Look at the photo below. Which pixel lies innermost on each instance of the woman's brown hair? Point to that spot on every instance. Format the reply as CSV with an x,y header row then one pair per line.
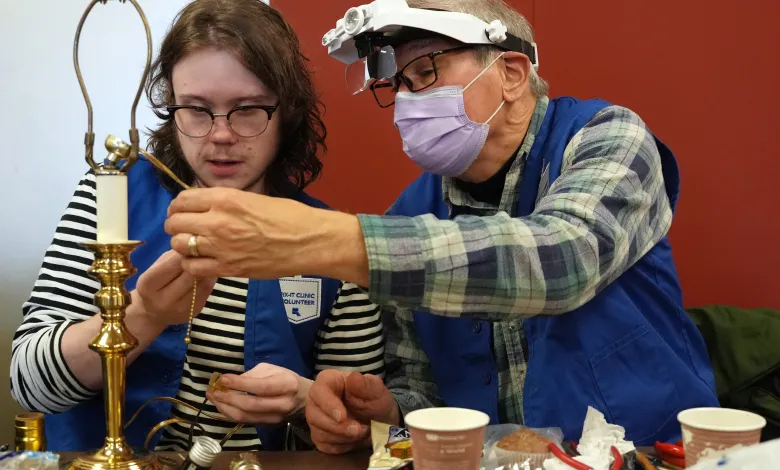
x,y
264,43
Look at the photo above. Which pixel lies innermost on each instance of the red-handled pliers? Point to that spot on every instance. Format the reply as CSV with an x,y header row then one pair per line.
x,y
565,458
673,454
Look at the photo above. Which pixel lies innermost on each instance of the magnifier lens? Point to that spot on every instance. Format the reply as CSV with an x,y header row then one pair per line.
x,y
384,61
379,65
357,77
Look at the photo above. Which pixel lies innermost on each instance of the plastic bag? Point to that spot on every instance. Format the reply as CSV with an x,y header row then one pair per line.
x,y
29,460
530,442
764,456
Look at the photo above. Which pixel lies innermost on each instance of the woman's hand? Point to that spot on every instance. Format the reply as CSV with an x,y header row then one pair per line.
x,y
163,293
267,394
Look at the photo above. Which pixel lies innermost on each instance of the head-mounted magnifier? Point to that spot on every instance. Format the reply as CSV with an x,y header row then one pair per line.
x,y
364,39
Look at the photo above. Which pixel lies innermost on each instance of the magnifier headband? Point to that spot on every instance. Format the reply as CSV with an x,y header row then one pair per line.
x,y
365,38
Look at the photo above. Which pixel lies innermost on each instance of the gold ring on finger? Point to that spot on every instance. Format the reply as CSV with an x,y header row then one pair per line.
x,y
193,246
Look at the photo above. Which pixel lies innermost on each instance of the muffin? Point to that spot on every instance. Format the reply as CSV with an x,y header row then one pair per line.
x,y
523,446
525,440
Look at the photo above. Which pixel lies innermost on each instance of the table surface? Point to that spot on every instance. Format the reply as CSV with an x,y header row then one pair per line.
x,y
303,460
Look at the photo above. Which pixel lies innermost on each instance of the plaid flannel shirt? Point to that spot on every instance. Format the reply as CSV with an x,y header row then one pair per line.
x,y
606,210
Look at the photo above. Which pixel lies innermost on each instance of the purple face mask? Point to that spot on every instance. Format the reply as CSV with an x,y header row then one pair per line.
x,y
436,132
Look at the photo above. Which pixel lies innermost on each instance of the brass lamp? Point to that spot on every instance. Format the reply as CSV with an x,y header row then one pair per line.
x,y
112,267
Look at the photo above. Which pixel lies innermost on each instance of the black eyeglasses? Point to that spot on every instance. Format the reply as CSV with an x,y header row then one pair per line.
x,y
419,74
245,121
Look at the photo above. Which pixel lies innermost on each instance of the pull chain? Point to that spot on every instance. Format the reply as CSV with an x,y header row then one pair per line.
x,y
161,166
192,311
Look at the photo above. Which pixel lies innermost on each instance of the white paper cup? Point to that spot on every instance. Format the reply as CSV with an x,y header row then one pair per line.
x,y
447,438
709,432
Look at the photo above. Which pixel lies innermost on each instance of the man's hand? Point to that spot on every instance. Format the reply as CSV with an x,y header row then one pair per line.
x,y
244,234
340,409
164,291
273,394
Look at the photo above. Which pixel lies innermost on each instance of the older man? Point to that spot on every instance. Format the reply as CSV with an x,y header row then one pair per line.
x,y
527,273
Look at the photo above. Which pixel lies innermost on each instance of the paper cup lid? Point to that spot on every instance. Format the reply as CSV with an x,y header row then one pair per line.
x,y
446,419
721,419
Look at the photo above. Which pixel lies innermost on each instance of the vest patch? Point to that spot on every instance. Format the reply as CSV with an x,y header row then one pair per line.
x,y
301,297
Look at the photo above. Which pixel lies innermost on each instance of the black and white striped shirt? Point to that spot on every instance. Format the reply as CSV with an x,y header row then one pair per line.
x,y
350,339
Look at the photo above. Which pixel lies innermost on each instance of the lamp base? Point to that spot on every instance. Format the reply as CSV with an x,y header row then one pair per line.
x,y
121,459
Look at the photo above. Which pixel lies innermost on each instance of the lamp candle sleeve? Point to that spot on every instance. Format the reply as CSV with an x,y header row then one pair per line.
x,y
111,207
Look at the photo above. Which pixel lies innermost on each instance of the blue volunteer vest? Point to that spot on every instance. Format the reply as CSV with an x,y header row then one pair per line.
x,y
631,352
269,336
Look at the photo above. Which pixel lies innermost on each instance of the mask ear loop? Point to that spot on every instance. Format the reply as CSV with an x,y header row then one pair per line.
x,y
483,71
496,112
479,75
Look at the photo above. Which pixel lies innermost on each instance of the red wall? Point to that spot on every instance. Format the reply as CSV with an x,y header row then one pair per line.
x,y
365,167
703,75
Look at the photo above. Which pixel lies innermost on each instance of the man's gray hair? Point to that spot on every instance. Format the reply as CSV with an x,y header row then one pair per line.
x,y
489,10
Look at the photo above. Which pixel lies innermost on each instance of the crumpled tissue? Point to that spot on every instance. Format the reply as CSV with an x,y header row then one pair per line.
x,y
595,445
